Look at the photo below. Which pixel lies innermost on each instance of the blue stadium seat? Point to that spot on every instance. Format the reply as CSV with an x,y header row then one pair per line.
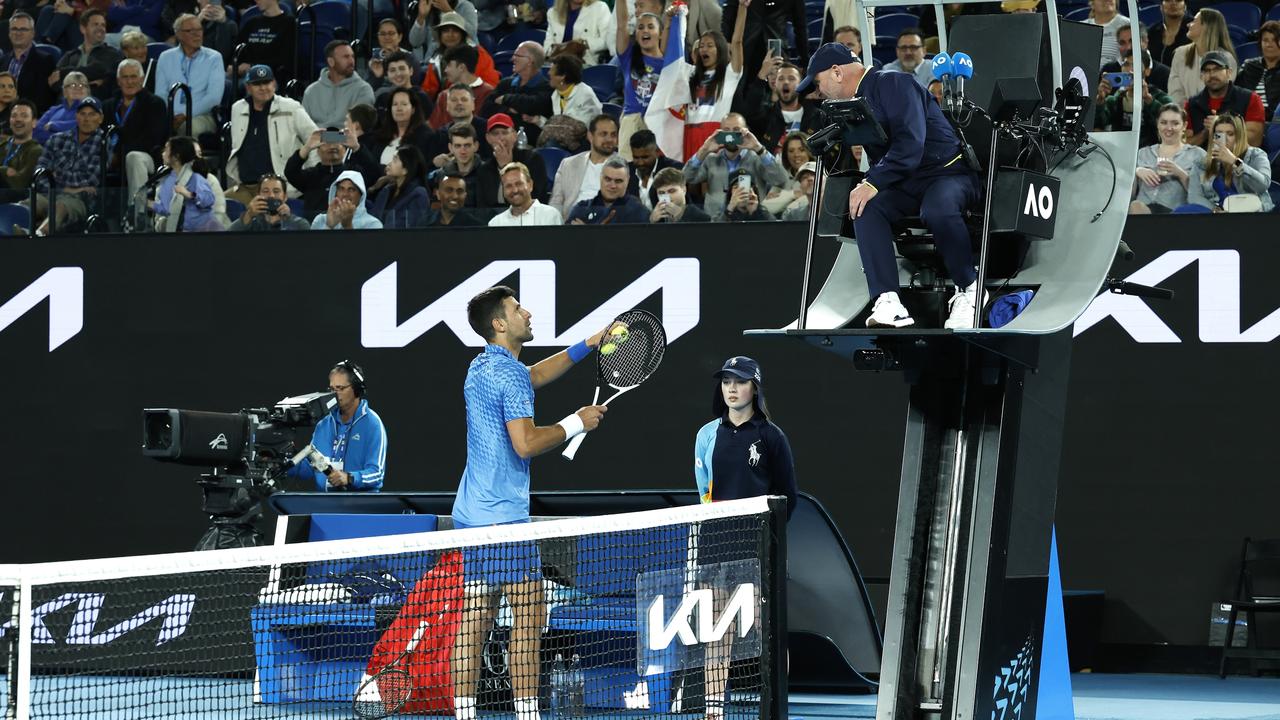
x,y
298,208
509,42
154,49
248,14
814,27
1150,15
1078,14
13,214
612,109
885,50
53,50
1241,34
1271,140
894,23
235,209
1242,14
1245,51
601,79
502,62
551,157
1274,13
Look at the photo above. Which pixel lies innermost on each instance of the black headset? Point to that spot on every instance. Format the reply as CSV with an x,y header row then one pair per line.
x,y
354,372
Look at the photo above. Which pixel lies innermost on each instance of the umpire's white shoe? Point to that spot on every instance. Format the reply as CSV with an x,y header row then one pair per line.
x,y
960,307
889,312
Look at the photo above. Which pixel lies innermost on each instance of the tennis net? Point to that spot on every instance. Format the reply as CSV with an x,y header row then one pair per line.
x,y
665,613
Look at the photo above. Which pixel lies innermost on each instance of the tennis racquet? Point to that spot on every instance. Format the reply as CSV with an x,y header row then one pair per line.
x,y
386,693
633,360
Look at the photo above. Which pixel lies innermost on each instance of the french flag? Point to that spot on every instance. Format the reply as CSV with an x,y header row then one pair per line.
x,y
665,116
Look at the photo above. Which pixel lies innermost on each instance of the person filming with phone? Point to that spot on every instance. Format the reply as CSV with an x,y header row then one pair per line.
x,y
269,211
741,202
1233,177
1117,113
732,148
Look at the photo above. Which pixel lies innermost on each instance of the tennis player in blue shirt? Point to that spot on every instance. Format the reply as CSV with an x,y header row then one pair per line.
x,y
501,439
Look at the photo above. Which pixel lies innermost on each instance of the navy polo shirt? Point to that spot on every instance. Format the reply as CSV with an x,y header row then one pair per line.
x,y
742,461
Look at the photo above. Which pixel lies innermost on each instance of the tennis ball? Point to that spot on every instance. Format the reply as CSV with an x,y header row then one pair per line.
x,y
618,330
608,348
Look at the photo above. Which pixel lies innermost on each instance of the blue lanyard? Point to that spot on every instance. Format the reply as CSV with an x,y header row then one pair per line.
x,y
13,150
340,442
120,121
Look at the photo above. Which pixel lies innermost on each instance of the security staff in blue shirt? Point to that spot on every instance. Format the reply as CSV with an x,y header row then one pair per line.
x,y
501,440
351,438
921,170
739,454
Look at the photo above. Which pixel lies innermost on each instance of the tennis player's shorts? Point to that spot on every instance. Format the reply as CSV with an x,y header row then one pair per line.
x,y
488,567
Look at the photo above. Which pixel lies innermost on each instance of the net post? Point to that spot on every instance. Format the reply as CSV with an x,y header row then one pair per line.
x,y
773,602
22,688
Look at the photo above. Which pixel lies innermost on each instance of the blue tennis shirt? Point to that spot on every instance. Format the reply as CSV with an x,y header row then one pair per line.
x,y
495,483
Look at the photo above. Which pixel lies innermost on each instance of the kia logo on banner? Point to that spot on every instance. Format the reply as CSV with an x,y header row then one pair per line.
x,y
676,278
174,613
1218,312
741,606
64,286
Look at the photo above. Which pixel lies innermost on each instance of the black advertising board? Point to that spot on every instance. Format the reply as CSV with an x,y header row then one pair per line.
x,y
1165,463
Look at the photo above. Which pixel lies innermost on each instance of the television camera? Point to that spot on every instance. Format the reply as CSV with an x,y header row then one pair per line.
x,y
249,452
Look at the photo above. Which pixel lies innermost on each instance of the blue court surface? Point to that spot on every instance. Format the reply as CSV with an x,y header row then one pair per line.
x,y
1097,697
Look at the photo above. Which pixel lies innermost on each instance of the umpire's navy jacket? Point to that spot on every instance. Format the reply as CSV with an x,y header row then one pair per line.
x,y
921,140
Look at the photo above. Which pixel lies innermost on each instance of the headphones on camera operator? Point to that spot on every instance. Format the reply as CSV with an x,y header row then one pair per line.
x,y
353,372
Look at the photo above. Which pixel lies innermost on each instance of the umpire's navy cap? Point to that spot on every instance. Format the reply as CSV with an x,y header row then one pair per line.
x,y
827,57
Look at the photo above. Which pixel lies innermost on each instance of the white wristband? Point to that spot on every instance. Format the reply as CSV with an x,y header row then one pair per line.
x,y
572,425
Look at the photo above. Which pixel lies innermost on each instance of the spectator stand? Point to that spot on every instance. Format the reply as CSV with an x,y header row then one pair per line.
x,y
1247,51
154,49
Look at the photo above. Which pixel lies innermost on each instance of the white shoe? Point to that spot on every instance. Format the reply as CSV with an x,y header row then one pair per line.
x,y
960,307
889,312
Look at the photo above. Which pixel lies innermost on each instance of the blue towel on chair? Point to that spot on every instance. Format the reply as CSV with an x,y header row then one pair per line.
x,y
1008,307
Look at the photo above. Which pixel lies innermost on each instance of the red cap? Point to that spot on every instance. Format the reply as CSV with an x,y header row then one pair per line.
x,y
499,120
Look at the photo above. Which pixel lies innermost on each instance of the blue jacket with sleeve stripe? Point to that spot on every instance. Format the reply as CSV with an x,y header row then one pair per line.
x,y
360,446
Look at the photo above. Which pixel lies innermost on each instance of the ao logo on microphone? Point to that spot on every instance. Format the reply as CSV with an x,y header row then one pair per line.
x,y
1039,203
964,64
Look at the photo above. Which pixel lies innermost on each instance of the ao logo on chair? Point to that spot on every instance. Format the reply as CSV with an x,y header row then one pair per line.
x,y
1040,202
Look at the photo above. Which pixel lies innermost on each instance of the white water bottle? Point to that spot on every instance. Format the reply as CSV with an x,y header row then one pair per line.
x,y
522,140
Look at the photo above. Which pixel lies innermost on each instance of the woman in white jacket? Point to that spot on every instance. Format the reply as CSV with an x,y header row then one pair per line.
x,y
572,97
587,21
1207,31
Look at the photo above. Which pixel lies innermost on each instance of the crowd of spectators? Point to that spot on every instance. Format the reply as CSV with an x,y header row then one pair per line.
x,y
473,112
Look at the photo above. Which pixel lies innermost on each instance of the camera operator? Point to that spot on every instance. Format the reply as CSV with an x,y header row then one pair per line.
x,y
270,210
351,443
